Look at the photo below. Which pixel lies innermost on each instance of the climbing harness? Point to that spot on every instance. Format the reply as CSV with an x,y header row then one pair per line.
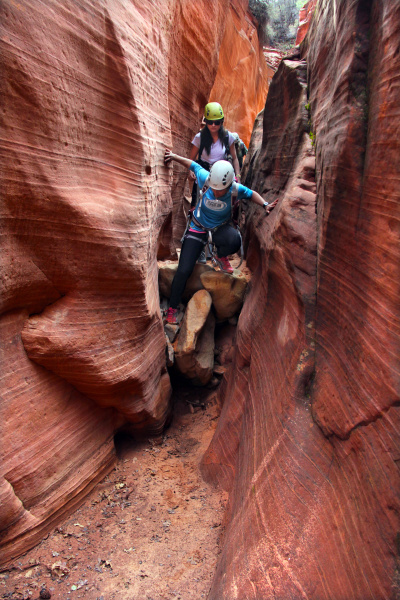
x,y
191,216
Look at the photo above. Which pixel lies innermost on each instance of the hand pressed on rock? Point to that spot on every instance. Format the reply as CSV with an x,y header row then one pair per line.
x,y
271,206
168,155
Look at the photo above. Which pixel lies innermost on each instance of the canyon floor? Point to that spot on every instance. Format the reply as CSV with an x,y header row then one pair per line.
x,y
151,530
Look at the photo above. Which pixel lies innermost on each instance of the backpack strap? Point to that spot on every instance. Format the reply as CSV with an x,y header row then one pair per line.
x,y
226,143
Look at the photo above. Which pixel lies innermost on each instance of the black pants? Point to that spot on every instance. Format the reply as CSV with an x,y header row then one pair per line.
x,y
227,241
194,195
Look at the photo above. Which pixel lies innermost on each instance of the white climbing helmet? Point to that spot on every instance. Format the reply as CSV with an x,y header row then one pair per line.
x,y
221,175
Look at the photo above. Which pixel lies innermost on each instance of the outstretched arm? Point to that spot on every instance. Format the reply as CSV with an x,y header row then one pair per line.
x,y
232,150
194,150
255,197
168,156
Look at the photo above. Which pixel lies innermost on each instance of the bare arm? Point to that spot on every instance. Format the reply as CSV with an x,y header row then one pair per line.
x,y
255,197
194,150
235,161
168,156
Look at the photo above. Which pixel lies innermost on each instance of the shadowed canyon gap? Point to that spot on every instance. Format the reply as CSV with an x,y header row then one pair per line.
x,y
307,444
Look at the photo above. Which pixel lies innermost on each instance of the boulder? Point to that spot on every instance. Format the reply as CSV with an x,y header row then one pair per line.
x,y
227,292
166,274
194,348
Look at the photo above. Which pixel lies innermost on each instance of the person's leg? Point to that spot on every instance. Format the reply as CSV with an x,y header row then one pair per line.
x,y
227,240
191,248
194,195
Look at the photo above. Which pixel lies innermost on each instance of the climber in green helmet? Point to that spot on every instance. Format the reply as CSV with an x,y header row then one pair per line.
x,y
213,143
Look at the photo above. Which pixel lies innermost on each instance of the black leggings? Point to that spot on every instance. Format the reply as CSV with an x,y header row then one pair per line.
x,y
227,240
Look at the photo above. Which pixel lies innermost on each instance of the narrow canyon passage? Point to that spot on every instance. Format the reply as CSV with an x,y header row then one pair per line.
x,y
304,429
150,530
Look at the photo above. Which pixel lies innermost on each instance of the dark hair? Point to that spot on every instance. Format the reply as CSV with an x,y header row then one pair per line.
x,y
206,138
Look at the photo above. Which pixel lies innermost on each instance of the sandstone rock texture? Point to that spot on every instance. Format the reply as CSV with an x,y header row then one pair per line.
x,y
91,96
82,344
194,350
273,57
305,17
243,76
227,292
308,440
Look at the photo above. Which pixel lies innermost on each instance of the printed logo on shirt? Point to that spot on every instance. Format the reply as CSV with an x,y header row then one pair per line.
x,y
215,204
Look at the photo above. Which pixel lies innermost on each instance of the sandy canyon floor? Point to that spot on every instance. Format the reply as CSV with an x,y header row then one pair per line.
x,y
151,530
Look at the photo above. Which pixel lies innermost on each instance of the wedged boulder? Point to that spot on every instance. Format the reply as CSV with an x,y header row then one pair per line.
x,y
227,292
166,273
169,351
194,349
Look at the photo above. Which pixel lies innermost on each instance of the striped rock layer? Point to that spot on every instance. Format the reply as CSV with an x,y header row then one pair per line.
x,y
308,440
92,94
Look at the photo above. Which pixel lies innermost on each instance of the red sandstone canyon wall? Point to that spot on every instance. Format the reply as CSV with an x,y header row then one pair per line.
x,y
242,79
305,17
230,69
91,95
308,440
82,339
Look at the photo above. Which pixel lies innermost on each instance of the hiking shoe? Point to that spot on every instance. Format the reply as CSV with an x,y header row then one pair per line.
x,y
225,264
172,315
202,258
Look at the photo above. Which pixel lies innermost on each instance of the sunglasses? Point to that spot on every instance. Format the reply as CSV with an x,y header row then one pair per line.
x,y
219,122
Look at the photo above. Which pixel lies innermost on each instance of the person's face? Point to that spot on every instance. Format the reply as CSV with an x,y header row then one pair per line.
x,y
219,193
214,126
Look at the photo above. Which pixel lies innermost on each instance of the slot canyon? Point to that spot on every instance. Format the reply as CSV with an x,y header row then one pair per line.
x,y
126,472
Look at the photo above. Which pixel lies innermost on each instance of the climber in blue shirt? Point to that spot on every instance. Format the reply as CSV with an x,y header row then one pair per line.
x,y
212,212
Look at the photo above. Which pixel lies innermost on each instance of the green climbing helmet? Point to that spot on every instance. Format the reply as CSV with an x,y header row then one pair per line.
x,y
213,111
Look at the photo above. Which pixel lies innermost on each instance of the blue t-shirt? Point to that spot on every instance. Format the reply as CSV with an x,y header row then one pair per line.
x,y
212,211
